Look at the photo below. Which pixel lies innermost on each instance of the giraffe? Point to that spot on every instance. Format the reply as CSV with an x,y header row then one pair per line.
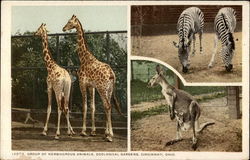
x,y
94,74
59,80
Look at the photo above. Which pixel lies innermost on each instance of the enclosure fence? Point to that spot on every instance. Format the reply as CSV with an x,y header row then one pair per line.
x,y
28,72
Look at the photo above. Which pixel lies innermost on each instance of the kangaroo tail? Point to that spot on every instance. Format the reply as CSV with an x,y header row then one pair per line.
x,y
205,125
116,103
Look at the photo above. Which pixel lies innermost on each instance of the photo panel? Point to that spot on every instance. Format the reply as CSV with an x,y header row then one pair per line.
x,y
165,113
202,42
69,63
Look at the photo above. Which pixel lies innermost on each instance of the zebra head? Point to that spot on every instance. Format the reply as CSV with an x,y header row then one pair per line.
x,y
183,53
228,52
156,78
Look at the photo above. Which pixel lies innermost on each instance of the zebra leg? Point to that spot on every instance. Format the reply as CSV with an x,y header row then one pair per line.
x,y
193,53
200,37
215,50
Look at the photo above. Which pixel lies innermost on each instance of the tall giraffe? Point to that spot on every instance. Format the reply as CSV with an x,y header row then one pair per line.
x,y
59,80
94,74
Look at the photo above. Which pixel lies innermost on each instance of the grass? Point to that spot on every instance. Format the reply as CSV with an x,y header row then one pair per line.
x,y
141,93
209,97
136,115
196,90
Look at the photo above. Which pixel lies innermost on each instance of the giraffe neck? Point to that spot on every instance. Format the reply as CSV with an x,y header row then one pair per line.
x,y
47,55
83,51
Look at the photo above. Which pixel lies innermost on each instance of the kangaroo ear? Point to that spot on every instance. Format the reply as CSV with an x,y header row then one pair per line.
x,y
158,69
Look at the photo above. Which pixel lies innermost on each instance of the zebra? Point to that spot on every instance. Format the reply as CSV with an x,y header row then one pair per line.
x,y
225,24
190,22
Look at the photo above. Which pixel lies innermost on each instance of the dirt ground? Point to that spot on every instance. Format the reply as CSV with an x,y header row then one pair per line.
x,y
30,139
161,47
152,133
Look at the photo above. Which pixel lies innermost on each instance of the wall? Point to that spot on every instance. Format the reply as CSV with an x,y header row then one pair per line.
x,y
150,20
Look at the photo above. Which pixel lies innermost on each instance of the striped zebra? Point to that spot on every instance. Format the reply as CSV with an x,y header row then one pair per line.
x,y
190,22
225,23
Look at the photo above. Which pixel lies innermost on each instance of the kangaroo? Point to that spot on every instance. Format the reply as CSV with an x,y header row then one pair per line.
x,y
182,106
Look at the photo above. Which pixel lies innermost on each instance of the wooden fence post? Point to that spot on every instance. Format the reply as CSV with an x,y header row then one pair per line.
x,y
177,82
233,102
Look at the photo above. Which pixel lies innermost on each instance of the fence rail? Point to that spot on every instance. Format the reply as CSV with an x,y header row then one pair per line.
x,y
72,33
67,67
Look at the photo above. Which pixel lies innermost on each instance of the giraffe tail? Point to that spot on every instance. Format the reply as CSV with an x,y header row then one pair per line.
x,y
62,103
117,104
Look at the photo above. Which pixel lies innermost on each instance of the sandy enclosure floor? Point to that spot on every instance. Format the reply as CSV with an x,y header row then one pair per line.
x,y
32,140
152,133
161,47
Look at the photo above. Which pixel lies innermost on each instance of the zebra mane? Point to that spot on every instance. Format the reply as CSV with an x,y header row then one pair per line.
x,y
230,38
182,28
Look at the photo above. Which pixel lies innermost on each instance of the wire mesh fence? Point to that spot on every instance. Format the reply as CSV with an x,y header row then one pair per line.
x,y
28,72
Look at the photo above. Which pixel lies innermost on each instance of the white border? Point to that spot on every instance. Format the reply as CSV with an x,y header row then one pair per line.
x,y
6,152
129,77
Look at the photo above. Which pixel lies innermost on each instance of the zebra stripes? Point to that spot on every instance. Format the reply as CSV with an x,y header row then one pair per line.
x,y
225,24
190,22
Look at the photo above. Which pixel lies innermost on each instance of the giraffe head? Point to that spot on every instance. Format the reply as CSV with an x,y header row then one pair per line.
x,y
40,31
72,23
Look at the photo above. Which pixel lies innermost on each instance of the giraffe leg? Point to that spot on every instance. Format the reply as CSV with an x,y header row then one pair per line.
x,y
48,109
109,131
59,111
214,52
67,87
58,124
84,109
92,109
107,127
106,97
110,123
